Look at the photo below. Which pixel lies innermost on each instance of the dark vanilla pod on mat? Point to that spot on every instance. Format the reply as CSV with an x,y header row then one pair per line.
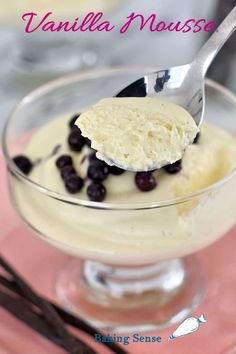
x,y
46,318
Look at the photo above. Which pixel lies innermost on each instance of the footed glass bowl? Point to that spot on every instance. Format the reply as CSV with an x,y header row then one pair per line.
x,y
133,267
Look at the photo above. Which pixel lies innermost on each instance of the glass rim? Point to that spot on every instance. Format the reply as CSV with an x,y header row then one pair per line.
x,y
70,79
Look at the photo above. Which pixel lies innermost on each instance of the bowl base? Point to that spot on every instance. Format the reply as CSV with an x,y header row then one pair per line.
x,y
131,299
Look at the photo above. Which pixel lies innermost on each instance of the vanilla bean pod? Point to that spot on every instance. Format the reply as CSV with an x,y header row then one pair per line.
x,y
67,317
22,312
16,286
48,311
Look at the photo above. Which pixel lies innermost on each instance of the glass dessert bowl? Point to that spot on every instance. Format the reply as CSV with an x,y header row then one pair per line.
x,y
133,265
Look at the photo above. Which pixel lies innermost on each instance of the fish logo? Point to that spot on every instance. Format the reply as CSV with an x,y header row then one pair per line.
x,y
188,326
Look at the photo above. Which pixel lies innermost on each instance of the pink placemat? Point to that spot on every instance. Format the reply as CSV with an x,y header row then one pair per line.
x,y
40,263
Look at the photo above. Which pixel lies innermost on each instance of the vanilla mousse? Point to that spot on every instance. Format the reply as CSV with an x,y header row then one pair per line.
x,y
134,231
138,134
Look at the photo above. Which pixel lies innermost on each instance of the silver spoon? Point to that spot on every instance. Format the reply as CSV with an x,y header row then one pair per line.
x,y
184,84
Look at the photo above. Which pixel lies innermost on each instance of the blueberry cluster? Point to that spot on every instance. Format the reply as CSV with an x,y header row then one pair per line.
x,y
72,181
98,171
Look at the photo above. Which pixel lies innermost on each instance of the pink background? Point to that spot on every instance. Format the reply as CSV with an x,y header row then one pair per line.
x,y
39,263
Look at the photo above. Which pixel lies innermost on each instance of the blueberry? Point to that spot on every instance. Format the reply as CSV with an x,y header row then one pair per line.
x,y
145,181
67,171
196,140
74,184
73,120
23,163
98,172
96,192
64,160
114,170
75,140
174,167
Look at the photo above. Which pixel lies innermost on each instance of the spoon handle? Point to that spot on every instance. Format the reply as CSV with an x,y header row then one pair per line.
x,y
214,44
